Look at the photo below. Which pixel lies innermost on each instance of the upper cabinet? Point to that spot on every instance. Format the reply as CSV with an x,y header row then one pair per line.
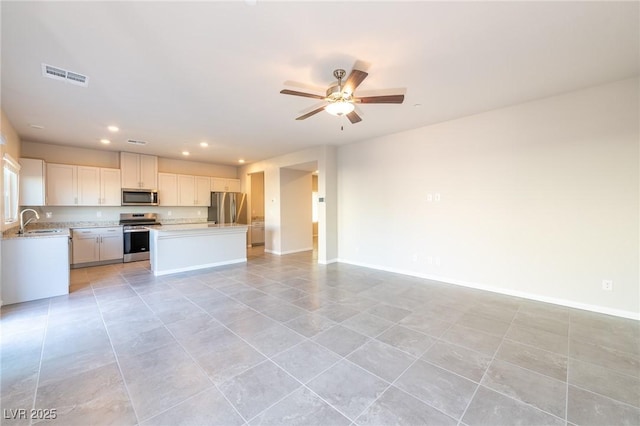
x,y
167,189
225,185
62,185
139,170
110,189
184,190
69,185
32,182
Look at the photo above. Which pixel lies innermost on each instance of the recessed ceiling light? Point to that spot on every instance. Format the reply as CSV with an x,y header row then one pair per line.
x,y
36,126
113,128
204,144
185,153
417,105
241,161
105,141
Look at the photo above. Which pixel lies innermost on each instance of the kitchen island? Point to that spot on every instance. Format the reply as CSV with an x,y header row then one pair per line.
x,y
187,247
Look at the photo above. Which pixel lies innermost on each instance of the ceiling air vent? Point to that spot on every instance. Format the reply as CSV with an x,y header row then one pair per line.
x,y
134,142
64,75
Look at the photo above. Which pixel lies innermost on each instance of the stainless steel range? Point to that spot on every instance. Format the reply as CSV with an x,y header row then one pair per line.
x,y
136,234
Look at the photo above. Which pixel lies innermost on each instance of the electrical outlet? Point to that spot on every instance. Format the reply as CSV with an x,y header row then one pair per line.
x,y
99,214
607,285
437,196
48,215
429,197
169,213
198,212
437,260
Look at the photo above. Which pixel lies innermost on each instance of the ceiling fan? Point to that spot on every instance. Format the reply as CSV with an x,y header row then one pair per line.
x,y
340,98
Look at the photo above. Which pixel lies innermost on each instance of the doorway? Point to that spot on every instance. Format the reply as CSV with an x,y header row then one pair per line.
x,y
257,209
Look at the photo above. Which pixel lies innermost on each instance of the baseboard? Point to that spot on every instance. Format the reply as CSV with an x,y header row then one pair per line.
x,y
525,295
327,262
282,253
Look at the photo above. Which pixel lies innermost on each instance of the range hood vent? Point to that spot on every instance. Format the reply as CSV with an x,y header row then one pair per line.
x,y
57,73
135,142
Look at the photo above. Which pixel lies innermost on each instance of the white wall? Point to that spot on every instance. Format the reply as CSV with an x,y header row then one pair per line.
x,y
295,212
102,158
326,158
539,200
11,147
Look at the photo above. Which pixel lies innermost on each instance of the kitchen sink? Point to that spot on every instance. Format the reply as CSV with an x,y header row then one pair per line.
x,y
43,231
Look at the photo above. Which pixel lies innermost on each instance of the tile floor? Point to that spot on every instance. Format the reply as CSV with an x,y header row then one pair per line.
x,y
282,340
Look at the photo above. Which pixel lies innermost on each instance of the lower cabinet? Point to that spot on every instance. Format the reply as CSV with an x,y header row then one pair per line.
x,y
93,246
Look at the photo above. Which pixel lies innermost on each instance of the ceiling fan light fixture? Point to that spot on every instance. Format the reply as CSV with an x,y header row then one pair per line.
x,y
339,108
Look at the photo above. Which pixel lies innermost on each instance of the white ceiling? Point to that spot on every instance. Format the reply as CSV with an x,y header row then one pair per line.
x,y
179,73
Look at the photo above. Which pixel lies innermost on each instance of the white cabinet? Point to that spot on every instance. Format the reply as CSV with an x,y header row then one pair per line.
x,y
110,189
32,182
225,185
139,170
88,186
194,190
34,267
203,191
168,189
62,185
92,245
184,190
69,185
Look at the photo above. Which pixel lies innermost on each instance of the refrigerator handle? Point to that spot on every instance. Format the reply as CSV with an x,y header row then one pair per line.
x,y
222,209
239,210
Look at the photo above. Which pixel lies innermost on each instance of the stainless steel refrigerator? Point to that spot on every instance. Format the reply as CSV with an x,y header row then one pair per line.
x,y
228,207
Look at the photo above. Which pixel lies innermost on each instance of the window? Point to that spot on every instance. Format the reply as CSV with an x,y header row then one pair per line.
x,y
11,168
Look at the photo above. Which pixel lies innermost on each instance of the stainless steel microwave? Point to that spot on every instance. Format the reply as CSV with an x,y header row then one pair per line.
x,y
139,197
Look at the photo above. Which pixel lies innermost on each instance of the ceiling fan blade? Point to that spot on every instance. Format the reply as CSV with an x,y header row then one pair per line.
x,y
309,114
387,99
296,93
353,81
354,117
304,86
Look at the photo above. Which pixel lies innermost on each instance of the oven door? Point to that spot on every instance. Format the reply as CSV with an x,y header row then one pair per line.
x,y
136,244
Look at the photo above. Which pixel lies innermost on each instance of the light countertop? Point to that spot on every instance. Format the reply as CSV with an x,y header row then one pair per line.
x,y
64,232
196,226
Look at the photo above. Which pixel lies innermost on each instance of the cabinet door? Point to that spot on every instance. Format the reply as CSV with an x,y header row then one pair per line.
x,y
110,190
32,188
111,243
168,189
233,185
85,246
186,190
62,187
203,191
88,186
129,169
218,185
148,171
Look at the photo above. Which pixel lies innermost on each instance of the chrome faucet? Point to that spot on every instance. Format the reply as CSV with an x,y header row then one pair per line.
x,y
22,223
